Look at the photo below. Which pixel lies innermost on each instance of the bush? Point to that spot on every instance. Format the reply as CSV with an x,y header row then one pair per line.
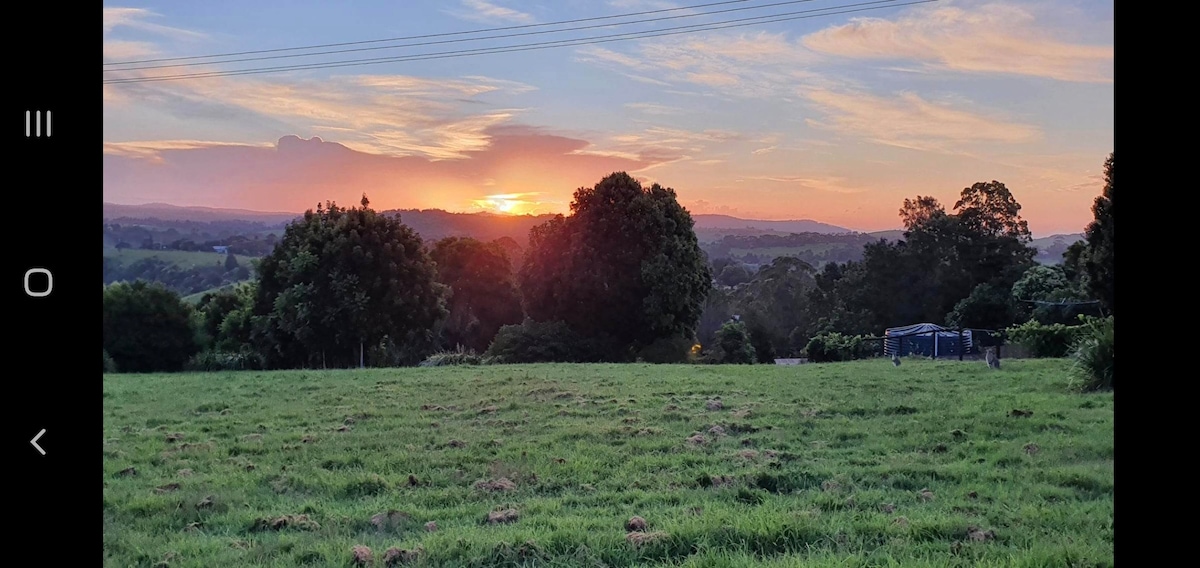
x,y
674,349
147,328
212,360
733,345
110,366
1093,355
833,346
543,342
459,356
1055,340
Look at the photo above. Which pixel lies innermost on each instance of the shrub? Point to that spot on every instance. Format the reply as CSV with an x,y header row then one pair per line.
x,y
833,346
212,360
733,345
110,366
1093,354
1055,340
147,328
674,349
543,342
459,356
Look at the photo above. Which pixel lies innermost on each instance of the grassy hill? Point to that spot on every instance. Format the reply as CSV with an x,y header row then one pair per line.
x,y
188,273
182,259
845,464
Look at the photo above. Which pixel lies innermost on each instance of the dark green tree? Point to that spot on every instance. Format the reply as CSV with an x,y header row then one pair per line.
x,y
1098,263
231,262
341,280
483,295
733,274
213,309
989,306
624,265
774,303
733,344
1048,284
147,328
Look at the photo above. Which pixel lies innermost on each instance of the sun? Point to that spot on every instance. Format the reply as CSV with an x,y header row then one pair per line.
x,y
504,205
507,204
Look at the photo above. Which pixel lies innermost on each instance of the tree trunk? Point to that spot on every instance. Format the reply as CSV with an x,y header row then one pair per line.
x,y
360,355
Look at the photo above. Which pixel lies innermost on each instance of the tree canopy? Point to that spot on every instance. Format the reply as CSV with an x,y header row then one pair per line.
x,y
483,296
341,279
625,265
147,328
1099,259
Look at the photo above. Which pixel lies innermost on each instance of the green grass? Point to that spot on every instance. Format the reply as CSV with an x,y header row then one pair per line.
x,y
181,258
823,462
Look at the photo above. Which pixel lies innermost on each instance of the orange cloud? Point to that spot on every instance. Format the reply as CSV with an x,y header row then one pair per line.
x,y
910,121
295,174
994,38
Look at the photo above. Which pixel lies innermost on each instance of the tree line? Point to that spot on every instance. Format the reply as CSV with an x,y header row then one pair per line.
x,y
621,278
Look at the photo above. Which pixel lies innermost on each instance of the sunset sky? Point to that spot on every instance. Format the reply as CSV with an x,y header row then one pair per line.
x,y
835,118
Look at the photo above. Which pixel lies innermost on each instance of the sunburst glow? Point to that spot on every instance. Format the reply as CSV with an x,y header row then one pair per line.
x,y
509,203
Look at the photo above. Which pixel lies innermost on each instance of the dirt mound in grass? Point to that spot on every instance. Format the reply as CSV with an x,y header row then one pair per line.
x,y
361,555
496,485
502,517
642,538
298,522
390,520
398,556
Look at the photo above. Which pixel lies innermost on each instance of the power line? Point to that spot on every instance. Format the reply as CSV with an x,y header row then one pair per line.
x,y
460,40
524,26
804,14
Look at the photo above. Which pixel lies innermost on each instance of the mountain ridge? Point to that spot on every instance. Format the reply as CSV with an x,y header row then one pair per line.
x,y
165,211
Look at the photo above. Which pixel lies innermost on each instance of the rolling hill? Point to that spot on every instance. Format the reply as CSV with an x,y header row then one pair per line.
x,y
752,239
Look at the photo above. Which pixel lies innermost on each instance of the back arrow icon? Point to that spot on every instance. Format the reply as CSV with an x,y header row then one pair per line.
x,y
35,439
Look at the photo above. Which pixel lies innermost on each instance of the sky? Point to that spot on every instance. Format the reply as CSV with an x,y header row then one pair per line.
x,y
831,117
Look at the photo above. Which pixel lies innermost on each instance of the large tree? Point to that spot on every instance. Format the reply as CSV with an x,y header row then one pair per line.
x,y
147,327
951,266
344,280
625,265
1098,263
483,294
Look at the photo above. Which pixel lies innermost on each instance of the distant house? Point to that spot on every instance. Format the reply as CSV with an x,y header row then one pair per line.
x,y
222,249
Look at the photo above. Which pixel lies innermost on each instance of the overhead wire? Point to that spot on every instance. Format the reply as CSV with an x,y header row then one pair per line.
x,y
741,22
445,41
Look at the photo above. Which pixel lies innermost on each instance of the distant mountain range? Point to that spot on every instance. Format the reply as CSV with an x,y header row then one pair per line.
x,y
433,224
167,212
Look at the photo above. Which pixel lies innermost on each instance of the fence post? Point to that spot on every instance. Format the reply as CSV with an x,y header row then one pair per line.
x,y
961,347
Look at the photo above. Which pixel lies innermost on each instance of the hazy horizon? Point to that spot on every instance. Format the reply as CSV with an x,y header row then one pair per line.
x,y
835,119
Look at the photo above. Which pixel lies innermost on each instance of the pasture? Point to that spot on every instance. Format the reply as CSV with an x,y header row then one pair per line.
x,y
933,463
180,258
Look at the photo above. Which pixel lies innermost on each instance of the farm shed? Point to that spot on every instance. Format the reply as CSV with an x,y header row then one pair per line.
x,y
926,339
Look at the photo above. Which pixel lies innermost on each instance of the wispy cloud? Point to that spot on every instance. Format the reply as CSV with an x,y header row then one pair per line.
x,y
136,18
743,65
910,121
826,184
383,114
152,149
993,38
487,13
654,108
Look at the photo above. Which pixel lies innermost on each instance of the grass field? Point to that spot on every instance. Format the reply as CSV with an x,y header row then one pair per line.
x,y
181,258
846,464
